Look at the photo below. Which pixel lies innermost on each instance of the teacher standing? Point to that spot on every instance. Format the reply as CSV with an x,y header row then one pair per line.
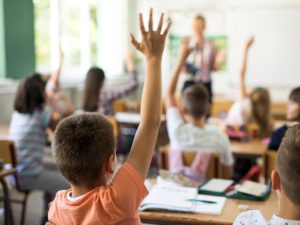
x,y
203,59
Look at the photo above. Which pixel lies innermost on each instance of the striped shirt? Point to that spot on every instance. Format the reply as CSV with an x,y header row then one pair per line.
x,y
107,98
28,131
185,136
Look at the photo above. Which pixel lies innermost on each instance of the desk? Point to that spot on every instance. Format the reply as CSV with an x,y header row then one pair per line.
x,y
253,148
6,196
230,212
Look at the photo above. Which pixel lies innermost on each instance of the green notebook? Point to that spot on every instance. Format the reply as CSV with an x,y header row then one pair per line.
x,y
247,191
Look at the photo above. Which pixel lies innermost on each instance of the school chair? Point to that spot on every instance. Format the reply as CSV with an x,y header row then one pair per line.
x,y
8,154
48,223
214,168
115,125
119,106
270,163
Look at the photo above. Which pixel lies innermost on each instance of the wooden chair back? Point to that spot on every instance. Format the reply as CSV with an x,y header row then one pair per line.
x,y
214,168
115,124
270,163
8,152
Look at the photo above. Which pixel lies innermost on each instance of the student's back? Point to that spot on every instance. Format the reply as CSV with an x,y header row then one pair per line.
x,y
28,130
186,136
188,130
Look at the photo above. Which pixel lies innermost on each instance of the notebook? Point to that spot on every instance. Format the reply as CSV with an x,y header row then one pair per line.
x,y
252,188
181,199
215,186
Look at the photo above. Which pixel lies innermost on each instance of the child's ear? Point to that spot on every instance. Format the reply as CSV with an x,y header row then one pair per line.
x,y
110,165
275,178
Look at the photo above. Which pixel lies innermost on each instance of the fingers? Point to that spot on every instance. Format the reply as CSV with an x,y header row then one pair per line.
x,y
134,42
151,20
141,24
160,23
166,31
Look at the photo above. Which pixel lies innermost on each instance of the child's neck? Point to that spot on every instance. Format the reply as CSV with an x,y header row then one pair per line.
x,y
288,210
197,122
81,190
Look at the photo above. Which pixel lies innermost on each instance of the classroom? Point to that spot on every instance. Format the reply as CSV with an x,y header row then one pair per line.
x,y
153,112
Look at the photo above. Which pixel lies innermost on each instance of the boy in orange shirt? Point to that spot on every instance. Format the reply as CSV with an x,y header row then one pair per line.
x,y
84,150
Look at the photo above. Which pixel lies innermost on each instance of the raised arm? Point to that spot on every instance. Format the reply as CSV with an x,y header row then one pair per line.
x,y
242,84
151,46
53,84
184,53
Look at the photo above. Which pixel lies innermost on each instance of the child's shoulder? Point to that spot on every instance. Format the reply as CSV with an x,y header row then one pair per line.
x,y
251,217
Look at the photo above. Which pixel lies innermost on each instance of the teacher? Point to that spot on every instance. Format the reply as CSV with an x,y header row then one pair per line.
x,y
203,59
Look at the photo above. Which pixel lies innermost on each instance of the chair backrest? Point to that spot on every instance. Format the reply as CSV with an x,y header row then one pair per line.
x,y
270,163
8,152
48,223
214,168
119,106
115,124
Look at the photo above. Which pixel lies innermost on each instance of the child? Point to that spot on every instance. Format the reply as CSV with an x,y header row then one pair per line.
x,y
190,131
253,107
28,130
95,99
285,181
292,114
84,149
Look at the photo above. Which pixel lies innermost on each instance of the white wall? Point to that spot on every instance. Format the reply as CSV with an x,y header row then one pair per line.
x,y
274,58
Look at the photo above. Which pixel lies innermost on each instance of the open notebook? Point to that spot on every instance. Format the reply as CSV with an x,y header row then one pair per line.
x,y
181,199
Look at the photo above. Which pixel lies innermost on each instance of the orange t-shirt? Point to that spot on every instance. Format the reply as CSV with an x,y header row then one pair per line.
x,y
115,204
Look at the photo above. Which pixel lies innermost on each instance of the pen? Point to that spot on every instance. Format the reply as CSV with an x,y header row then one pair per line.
x,y
201,201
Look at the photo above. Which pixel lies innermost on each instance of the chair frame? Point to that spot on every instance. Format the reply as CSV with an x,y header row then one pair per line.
x,y
23,201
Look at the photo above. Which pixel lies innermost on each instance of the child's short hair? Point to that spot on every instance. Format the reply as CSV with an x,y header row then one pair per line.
x,y
288,161
295,95
30,95
82,144
195,100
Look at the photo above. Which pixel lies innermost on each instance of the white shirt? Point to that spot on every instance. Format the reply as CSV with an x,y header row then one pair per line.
x,y
185,136
254,217
240,113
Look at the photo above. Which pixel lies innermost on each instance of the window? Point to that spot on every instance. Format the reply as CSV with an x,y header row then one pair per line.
x,y
87,30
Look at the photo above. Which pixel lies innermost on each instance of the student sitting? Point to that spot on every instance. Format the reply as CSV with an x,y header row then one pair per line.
x,y
84,150
285,181
292,114
28,130
254,107
97,100
190,131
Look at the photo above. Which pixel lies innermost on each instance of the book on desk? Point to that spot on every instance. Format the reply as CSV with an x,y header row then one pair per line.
x,y
181,199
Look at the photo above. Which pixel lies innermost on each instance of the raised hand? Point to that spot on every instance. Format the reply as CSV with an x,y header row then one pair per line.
x,y
185,49
153,42
250,42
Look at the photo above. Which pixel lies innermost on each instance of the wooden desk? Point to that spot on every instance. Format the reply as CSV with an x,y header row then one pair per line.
x,y
230,212
6,196
253,148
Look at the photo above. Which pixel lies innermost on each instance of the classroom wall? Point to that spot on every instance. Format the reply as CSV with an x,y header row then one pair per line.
x,y
2,44
17,38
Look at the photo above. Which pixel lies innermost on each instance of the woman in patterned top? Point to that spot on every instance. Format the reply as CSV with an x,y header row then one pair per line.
x,y
97,100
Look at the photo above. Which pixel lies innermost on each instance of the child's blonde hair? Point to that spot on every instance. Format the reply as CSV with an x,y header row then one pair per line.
x,y
261,111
